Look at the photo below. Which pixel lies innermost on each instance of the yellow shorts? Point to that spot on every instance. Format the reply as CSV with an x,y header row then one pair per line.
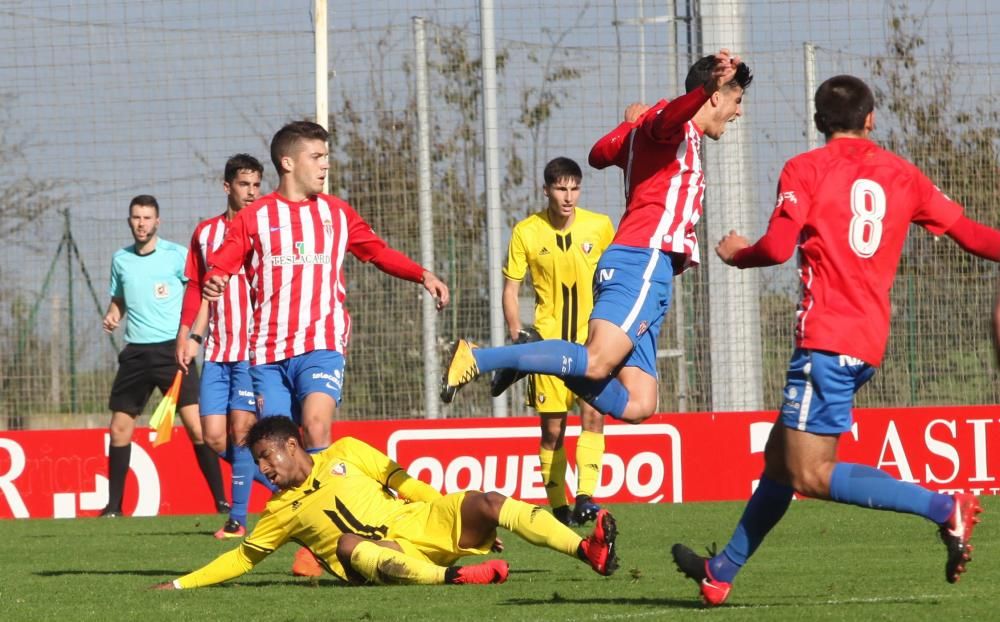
x,y
431,531
548,394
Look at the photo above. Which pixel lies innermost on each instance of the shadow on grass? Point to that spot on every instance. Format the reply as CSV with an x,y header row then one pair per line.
x,y
165,574
141,573
558,599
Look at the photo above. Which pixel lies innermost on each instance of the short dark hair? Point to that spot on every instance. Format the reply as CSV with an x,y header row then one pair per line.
x,y
701,71
842,103
276,428
287,137
146,200
242,162
561,168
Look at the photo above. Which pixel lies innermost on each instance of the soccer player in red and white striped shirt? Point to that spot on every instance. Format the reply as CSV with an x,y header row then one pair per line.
x,y
848,207
226,388
658,150
292,244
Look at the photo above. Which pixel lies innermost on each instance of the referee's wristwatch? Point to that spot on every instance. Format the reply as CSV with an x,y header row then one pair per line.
x,y
195,337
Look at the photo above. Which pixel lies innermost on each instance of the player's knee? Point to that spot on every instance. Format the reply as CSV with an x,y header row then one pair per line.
x,y
810,481
492,502
345,548
599,367
239,432
215,440
639,408
121,432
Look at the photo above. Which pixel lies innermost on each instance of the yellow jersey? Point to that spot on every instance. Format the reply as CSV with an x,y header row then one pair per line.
x,y
562,265
347,491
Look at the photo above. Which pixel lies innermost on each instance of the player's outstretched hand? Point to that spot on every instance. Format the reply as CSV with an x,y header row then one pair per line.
x,y
634,111
497,546
730,245
437,288
213,288
169,585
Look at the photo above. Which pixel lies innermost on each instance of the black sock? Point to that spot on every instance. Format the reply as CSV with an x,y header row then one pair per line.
x,y
208,461
118,459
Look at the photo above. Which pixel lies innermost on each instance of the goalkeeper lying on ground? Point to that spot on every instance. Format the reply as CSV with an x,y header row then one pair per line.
x,y
338,503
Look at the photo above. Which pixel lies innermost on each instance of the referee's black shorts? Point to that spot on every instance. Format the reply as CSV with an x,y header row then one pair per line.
x,y
143,367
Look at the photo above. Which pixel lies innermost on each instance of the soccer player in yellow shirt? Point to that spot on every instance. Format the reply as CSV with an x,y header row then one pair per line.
x,y
339,503
559,246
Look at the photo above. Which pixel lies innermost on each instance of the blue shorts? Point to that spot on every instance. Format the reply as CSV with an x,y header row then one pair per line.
x,y
226,387
281,387
632,288
819,391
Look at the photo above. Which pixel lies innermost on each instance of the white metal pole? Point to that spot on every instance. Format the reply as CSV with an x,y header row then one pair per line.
x,y
809,56
640,17
432,371
322,71
492,162
734,307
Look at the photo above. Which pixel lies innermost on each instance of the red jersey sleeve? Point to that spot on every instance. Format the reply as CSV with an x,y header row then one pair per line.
x,y
774,247
194,270
670,120
362,241
790,211
610,149
794,199
935,211
367,246
976,238
229,257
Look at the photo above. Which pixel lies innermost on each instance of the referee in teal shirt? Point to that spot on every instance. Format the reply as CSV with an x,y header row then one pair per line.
x,y
147,285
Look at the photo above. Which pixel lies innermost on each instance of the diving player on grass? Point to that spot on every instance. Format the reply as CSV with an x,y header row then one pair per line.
x,y
848,207
615,371
338,503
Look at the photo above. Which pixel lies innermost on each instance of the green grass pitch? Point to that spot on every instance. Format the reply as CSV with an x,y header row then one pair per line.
x,y
823,562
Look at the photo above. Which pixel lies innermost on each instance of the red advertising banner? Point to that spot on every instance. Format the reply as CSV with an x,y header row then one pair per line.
x,y
670,458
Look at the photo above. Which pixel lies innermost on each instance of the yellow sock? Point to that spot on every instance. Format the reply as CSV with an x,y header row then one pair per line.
x,y
382,565
589,457
538,526
554,475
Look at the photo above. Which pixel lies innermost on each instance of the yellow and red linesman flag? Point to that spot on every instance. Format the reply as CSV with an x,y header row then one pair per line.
x,y
163,417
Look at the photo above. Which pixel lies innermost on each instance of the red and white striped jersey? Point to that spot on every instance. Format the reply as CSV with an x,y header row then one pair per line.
x,y
293,253
228,318
664,182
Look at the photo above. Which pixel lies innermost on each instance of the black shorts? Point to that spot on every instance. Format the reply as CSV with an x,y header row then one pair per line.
x,y
143,367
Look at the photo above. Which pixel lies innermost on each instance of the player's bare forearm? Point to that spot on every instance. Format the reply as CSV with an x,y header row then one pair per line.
x,y
113,316
186,348
512,307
